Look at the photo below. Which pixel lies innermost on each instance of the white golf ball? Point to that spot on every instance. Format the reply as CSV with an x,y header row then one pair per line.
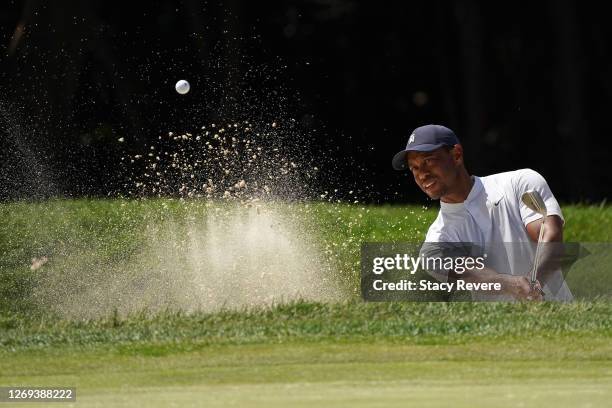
x,y
182,87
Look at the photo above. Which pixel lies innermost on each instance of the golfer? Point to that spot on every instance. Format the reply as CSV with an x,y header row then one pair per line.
x,y
486,212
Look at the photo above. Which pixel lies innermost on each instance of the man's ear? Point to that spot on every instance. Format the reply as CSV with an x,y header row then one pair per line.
x,y
457,153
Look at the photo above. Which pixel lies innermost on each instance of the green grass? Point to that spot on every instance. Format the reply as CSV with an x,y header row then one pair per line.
x,y
297,354
383,354
109,234
534,373
422,323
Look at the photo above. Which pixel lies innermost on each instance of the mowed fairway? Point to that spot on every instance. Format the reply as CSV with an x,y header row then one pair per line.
x,y
302,353
403,354
330,374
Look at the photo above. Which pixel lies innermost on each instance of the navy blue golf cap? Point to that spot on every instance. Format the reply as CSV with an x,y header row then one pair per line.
x,y
425,139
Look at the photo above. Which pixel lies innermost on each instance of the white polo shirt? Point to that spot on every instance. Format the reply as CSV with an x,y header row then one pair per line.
x,y
493,216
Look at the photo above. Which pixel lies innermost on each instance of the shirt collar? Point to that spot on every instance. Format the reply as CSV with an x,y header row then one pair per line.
x,y
475,192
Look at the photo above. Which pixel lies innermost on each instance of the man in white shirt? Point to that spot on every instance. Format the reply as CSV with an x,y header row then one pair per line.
x,y
487,212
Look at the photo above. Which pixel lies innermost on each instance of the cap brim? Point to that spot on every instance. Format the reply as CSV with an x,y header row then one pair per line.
x,y
399,160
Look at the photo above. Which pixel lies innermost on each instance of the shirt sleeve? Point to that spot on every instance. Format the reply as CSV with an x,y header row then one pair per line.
x,y
438,247
431,248
527,180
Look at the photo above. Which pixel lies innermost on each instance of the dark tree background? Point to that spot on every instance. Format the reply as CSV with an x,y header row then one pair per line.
x,y
523,84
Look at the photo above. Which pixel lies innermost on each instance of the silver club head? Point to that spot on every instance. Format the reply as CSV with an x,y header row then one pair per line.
x,y
533,200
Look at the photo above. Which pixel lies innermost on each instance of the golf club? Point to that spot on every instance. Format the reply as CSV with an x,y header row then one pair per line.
x,y
534,201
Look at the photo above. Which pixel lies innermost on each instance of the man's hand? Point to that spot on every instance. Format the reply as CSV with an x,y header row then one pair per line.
x,y
520,288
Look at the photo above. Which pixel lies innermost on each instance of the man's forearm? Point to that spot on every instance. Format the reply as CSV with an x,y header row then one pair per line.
x,y
478,275
551,246
551,254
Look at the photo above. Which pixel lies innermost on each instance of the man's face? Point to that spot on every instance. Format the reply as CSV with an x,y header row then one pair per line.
x,y
435,171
